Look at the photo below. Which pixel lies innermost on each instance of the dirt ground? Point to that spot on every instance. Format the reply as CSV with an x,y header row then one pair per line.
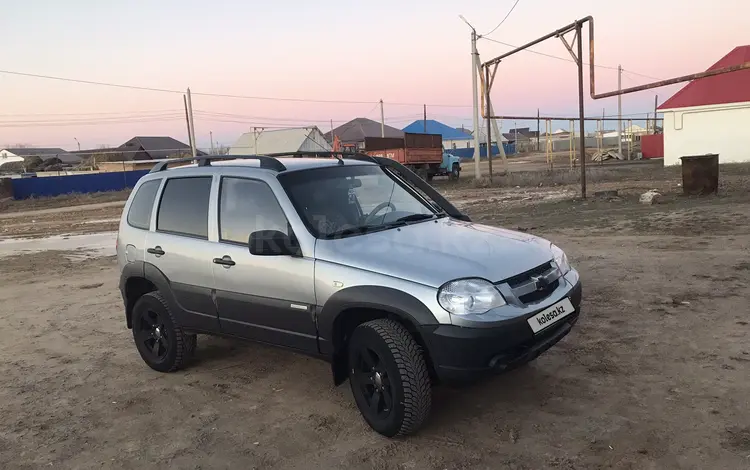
x,y
656,374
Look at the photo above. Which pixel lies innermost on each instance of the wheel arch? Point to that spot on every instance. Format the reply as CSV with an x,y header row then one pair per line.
x,y
351,307
139,278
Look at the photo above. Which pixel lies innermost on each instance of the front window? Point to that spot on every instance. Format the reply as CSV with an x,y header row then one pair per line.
x,y
351,200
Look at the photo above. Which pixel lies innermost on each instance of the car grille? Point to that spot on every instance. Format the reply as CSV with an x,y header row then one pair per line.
x,y
525,277
539,295
525,288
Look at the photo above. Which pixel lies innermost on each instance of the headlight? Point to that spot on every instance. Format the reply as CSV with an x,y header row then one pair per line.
x,y
469,296
560,259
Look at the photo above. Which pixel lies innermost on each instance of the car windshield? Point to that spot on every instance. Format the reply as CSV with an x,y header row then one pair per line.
x,y
351,200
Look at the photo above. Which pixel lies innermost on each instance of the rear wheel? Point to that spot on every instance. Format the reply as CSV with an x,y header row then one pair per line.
x,y
389,378
162,344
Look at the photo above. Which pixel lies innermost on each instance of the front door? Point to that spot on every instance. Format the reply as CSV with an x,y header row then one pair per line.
x,y
263,298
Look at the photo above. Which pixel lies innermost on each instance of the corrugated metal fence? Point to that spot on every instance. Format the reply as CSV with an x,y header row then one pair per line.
x,y
24,188
510,149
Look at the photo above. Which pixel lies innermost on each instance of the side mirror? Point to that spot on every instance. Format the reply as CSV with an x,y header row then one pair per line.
x,y
272,243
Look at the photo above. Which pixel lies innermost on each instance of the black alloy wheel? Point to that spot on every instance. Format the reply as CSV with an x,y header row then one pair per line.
x,y
161,342
152,334
371,378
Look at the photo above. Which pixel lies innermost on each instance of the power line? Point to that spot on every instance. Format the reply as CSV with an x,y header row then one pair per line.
x,y
503,21
223,95
551,56
139,113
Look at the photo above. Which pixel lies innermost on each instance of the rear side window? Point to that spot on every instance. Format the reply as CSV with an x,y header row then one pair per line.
x,y
247,206
139,215
184,206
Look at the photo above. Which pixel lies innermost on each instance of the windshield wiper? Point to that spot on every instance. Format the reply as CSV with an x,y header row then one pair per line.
x,y
361,229
415,217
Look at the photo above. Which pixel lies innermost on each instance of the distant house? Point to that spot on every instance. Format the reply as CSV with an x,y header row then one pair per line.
x,y
153,148
9,155
710,115
452,138
353,133
300,139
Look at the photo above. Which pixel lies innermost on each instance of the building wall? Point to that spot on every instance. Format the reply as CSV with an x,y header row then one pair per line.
x,y
700,130
315,142
460,143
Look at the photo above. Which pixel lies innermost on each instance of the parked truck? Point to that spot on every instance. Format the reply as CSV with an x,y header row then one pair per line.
x,y
421,153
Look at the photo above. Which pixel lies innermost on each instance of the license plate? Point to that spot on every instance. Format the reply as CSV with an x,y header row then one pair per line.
x,y
550,315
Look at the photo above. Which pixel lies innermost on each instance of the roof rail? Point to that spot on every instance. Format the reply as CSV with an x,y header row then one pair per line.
x,y
266,162
326,154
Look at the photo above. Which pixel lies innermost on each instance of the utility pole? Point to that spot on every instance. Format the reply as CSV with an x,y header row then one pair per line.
x,y
619,110
211,136
489,123
656,107
187,120
537,129
475,99
192,125
425,119
495,128
382,120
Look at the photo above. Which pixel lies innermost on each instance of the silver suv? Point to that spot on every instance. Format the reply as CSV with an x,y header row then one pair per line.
x,y
350,258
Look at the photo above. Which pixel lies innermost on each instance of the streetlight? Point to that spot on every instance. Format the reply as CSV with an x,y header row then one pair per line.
x,y
79,144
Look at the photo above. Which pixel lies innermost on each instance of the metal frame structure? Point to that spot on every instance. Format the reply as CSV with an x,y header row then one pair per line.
x,y
575,47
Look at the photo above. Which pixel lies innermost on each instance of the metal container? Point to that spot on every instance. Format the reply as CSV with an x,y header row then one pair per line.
x,y
700,174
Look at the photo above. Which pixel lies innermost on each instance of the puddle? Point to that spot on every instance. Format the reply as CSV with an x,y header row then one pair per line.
x,y
93,245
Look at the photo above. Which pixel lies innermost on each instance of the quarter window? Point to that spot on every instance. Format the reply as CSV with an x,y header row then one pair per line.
x,y
184,206
247,206
139,215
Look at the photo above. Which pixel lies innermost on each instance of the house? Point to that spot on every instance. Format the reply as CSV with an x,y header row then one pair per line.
x,y
452,138
9,155
353,133
710,115
153,148
299,139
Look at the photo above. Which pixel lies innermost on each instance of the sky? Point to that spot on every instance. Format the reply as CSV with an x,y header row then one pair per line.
x,y
408,54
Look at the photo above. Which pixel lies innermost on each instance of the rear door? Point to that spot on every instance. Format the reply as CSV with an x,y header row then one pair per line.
x,y
263,298
180,249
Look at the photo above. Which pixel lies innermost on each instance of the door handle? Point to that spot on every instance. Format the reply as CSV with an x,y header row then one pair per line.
x,y
156,251
225,261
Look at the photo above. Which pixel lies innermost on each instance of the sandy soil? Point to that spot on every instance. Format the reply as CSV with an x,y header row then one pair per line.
x,y
655,374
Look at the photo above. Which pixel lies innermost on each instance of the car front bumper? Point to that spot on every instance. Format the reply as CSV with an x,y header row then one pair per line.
x,y
461,354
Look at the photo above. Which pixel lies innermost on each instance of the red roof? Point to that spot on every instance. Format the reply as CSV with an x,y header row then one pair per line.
x,y
733,87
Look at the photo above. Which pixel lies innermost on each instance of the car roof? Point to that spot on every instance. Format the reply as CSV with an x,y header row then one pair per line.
x,y
291,163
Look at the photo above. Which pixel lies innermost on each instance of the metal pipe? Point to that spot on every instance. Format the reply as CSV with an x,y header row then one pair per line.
x,y
592,63
581,113
557,33
559,118
672,81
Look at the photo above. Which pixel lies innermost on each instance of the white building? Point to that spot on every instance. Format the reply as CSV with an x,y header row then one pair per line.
x,y
299,139
710,115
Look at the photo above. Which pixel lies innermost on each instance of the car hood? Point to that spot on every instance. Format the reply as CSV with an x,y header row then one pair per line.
x,y
435,252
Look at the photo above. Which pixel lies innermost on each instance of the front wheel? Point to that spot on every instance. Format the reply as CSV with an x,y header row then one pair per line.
x,y
389,378
455,171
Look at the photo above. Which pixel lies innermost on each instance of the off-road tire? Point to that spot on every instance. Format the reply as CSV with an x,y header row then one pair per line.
x,y
455,172
407,371
181,345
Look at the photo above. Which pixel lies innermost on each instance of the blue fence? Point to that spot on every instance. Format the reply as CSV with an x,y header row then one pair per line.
x,y
510,149
85,183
